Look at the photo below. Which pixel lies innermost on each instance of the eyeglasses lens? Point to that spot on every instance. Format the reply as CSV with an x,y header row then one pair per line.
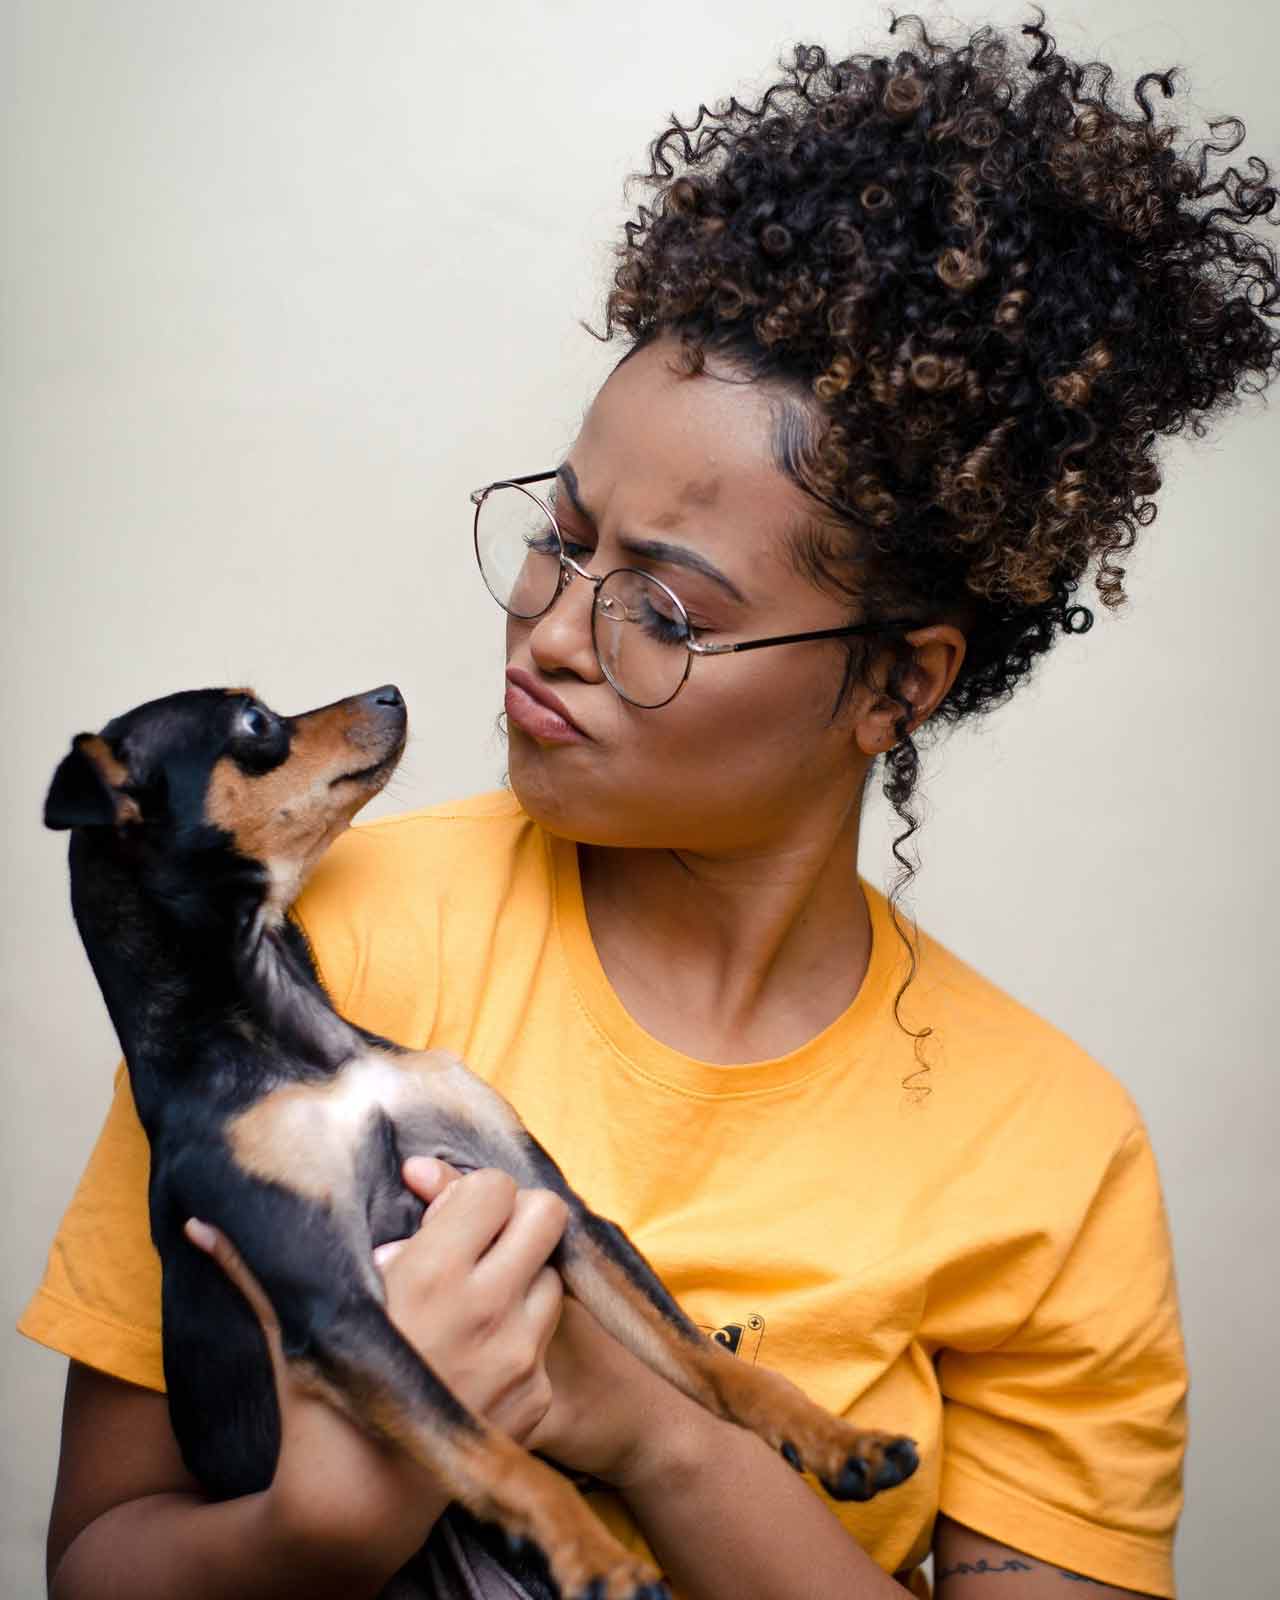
x,y
640,631
518,549
638,626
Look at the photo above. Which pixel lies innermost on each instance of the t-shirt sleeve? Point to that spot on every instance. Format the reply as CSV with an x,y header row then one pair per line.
x,y
1066,1439
99,1301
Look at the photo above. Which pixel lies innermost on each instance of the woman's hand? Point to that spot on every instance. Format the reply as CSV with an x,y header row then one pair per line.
x,y
472,1291
574,1394
610,1414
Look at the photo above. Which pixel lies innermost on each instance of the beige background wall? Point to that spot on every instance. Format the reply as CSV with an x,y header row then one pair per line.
x,y
284,279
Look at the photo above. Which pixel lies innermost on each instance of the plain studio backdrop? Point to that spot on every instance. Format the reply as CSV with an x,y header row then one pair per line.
x,y
285,279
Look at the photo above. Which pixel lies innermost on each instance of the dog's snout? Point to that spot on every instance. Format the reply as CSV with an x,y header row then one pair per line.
x,y
378,719
382,708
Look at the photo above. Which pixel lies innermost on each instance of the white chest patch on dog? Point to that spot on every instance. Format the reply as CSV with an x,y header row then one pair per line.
x,y
364,1086
305,1135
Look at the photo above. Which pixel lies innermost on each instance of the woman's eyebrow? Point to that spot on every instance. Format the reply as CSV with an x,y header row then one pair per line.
x,y
678,555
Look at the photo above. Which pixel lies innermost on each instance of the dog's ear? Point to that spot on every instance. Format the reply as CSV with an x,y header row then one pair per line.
x,y
88,788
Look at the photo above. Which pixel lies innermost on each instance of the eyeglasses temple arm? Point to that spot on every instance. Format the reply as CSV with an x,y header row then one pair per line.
x,y
477,495
703,649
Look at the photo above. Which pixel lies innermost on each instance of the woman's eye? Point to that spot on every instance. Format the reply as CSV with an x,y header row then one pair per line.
x,y
576,552
663,625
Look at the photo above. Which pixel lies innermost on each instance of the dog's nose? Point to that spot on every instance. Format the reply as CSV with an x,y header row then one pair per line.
x,y
383,709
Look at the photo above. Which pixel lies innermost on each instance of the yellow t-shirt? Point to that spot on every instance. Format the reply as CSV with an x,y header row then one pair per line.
x,y
972,1251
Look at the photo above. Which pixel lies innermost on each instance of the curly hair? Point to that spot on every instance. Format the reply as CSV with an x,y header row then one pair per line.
x,y
996,289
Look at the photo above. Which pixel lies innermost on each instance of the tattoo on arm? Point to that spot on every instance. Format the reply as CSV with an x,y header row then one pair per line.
x,y
983,1565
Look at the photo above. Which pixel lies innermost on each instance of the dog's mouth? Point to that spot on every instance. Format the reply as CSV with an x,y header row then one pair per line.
x,y
369,774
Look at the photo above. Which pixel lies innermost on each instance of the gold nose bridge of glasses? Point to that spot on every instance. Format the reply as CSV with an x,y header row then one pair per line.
x,y
611,605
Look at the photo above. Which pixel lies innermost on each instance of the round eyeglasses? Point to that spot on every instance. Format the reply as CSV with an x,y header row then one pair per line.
x,y
641,633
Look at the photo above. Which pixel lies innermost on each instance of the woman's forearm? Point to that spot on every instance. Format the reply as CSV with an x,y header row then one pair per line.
x,y
725,1516
179,1547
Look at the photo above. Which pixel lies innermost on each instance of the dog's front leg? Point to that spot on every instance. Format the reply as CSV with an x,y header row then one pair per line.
x,y
604,1270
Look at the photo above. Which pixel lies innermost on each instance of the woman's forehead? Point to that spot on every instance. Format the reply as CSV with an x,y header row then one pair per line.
x,y
684,452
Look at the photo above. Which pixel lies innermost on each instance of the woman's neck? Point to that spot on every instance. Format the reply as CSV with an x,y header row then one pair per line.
x,y
733,958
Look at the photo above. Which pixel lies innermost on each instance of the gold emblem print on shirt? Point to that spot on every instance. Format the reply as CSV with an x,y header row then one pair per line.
x,y
739,1338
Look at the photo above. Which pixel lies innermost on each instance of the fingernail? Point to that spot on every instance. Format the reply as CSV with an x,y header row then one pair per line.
x,y
200,1234
426,1169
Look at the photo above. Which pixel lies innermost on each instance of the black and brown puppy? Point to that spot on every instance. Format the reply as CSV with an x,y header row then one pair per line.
x,y
195,820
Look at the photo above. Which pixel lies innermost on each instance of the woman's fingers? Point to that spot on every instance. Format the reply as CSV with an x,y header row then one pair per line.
x,y
429,1179
428,1176
485,1245
542,1306
464,1220
532,1232
480,1224
385,1254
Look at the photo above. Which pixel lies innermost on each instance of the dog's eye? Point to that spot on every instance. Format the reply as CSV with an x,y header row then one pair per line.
x,y
255,722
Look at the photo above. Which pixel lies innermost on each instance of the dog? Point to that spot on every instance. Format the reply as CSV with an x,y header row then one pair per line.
x,y
194,821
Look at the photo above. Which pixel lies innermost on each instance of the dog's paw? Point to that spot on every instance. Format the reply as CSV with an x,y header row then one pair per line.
x,y
857,1466
587,1563
850,1463
642,1584
859,1478
598,1589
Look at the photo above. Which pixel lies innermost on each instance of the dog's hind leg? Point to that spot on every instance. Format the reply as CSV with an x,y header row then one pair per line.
x,y
604,1270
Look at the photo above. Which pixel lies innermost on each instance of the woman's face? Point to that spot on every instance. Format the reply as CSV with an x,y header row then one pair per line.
x,y
749,747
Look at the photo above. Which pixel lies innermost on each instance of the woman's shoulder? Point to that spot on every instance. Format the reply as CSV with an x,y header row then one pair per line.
x,y
494,812
473,837
377,907
990,1051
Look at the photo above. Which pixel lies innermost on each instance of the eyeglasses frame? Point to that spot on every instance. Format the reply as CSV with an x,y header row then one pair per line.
x,y
694,646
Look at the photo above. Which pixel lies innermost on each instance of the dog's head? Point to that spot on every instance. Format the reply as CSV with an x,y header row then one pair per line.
x,y
214,773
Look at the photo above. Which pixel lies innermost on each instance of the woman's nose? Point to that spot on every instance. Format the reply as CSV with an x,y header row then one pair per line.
x,y
560,639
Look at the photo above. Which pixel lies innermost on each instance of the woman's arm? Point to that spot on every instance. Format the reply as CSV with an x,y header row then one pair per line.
x,y
969,1566
724,1515
127,1519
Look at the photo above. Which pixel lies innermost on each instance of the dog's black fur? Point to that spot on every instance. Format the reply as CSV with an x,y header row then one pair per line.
x,y
194,819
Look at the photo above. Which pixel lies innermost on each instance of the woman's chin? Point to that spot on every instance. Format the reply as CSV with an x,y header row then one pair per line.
x,y
563,810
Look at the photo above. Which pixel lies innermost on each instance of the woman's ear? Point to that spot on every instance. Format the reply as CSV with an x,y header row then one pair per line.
x,y
937,654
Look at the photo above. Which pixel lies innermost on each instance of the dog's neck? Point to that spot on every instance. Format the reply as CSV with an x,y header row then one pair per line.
x,y
172,986
286,999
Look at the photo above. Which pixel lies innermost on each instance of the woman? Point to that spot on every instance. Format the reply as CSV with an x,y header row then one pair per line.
x,y
901,340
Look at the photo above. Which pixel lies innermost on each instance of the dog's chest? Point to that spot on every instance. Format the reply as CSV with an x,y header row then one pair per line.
x,y
365,1087
307,1136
